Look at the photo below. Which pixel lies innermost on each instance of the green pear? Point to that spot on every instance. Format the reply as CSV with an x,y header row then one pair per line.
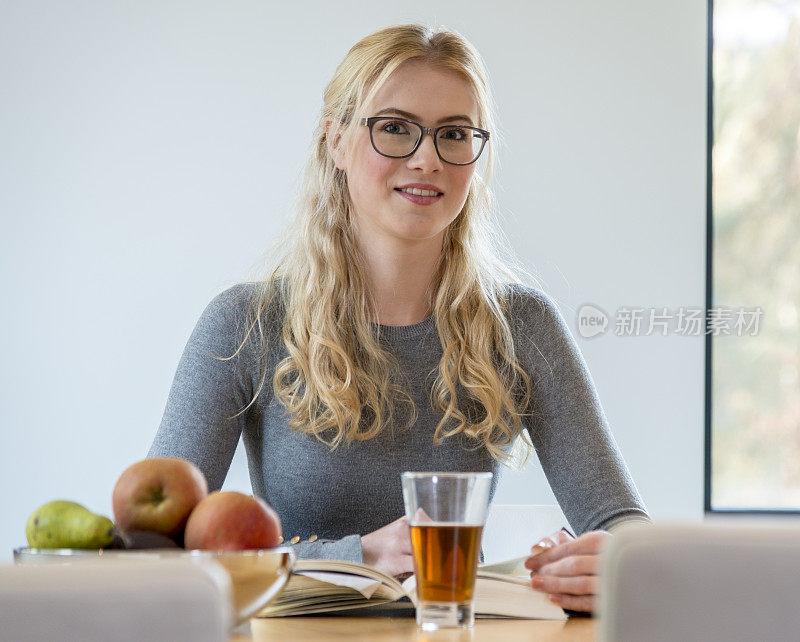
x,y
64,524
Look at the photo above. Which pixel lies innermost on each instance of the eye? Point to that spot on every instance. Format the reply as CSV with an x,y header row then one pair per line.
x,y
394,127
455,133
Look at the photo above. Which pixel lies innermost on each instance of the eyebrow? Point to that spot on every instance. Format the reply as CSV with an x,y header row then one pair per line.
x,y
406,114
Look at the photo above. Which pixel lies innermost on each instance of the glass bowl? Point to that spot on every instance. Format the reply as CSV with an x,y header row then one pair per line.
x,y
257,576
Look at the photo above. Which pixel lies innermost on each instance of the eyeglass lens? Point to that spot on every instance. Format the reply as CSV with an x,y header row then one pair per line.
x,y
456,144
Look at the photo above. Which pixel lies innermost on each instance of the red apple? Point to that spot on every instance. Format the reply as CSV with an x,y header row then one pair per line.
x,y
231,521
158,494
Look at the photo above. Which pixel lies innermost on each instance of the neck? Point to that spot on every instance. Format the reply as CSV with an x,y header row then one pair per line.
x,y
400,276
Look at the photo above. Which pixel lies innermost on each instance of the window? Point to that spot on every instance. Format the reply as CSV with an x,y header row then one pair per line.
x,y
753,377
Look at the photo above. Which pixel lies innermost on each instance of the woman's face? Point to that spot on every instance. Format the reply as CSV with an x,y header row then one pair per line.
x,y
381,210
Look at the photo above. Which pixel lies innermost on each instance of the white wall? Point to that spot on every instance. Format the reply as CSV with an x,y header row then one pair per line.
x,y
150,152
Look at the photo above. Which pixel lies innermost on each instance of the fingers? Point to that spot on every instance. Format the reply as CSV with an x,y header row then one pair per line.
x,y
550,554
547,543
587,544
583,603
568,570
554,539
404,566
572,566
397,565
581,585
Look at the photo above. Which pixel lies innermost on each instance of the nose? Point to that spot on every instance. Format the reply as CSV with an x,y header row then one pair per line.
x,y
426,157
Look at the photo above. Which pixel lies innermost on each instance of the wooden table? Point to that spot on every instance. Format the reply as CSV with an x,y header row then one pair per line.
x,y
394,628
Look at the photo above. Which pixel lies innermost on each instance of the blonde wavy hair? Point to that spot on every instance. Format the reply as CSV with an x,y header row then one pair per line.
x,y
337,375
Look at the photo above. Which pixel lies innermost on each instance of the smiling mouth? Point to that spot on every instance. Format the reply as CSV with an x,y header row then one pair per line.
x,y
418,199
419,192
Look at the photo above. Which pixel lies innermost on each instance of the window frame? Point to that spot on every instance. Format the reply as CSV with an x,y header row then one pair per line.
x,y
707,508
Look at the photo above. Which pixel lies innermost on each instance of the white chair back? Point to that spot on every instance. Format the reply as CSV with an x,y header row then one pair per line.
x,y
728,581
121,600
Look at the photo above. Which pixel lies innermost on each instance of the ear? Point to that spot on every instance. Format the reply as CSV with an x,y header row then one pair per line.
x,y
333,139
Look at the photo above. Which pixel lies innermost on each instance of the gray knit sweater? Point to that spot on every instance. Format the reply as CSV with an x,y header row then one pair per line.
x,y
353,490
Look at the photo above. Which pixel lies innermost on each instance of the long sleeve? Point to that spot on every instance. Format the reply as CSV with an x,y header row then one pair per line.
x,y
206,392
568,427
347,548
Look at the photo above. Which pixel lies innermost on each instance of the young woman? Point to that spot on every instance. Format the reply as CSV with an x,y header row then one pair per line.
x,y
393,336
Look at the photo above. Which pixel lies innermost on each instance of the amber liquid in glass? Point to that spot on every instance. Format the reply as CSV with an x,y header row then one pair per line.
x,y
446,561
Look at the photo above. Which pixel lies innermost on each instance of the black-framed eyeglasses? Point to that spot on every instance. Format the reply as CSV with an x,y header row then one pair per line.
x,y
395,137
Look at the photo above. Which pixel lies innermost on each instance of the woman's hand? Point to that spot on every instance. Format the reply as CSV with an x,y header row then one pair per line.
x,y
567,568
389,548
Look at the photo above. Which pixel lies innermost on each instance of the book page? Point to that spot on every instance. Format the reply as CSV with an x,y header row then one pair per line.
x,y
349,568
515,567
363,585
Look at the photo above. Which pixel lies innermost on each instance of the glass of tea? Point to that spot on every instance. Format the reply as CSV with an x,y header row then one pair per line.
x,y
446,513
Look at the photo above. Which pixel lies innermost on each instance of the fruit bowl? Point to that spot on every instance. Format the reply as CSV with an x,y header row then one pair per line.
x,y
257,575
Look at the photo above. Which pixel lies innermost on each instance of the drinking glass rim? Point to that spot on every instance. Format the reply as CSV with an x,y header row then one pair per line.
x,y
481,474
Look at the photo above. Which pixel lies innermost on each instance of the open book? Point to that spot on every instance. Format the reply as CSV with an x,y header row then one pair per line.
x,y
319,586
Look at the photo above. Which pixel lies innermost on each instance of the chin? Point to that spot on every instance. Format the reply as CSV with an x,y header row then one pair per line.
x,y
418,233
